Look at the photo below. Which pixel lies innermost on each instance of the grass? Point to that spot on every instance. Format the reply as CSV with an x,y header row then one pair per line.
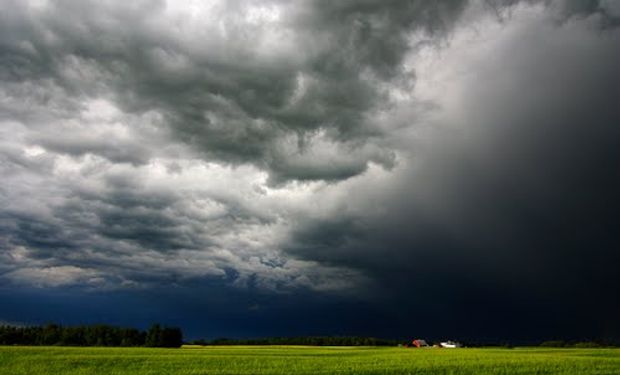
x,y
304,360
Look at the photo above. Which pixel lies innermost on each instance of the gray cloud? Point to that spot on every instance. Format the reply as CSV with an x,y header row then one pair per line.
x,y
241,83
512,203
104,117
397,150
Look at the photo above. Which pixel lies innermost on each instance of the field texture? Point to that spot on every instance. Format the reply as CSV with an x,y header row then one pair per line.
x,y
305,360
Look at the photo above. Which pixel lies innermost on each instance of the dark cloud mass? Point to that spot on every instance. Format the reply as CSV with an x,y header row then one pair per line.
x,y
376,163
270,92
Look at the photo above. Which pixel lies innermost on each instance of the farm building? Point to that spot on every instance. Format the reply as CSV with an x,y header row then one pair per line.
x,y
450,344
419,343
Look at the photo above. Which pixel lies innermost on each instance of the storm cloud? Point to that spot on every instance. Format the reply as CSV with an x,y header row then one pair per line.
x,y
454,161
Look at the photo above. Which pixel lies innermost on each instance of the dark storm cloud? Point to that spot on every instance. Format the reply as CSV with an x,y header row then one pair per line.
x,y
237,92
447,162
93,109
125,230
514,209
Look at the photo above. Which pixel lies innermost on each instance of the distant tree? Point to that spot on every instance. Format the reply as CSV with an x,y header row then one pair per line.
x,y
153,336
305,340
50,335
171,337
95,335
132,337
164,337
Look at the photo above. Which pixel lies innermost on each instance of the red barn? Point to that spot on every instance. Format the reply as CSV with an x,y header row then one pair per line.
x,y
419,343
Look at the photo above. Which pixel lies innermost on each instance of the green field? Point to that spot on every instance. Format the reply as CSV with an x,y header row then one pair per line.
x,y
305,360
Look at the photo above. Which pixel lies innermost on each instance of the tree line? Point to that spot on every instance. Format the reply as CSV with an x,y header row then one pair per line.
x,y
91,335
578,344
305,340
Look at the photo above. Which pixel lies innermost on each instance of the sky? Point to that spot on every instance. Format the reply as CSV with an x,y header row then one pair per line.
x,y
439,169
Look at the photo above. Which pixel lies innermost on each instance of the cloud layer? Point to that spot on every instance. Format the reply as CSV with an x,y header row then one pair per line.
x,y
457,155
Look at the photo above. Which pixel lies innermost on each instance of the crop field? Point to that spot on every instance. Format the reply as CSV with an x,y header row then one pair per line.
x,y
305,360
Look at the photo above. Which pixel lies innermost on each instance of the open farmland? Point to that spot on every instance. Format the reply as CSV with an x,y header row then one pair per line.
x,y
305,360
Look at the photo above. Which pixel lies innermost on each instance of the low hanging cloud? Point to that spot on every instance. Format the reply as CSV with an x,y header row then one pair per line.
x,y
259,83
399,150
508,200
189,140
